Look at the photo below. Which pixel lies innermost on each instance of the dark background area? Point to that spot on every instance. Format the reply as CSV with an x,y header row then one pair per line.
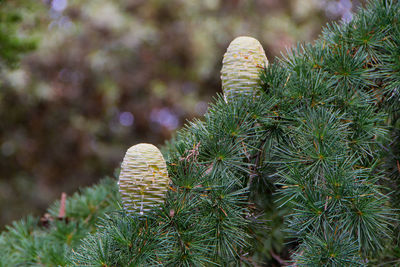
x,y
108,74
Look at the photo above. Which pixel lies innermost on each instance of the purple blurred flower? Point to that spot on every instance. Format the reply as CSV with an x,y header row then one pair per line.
x,y
59,5
165,118
126,118
340,8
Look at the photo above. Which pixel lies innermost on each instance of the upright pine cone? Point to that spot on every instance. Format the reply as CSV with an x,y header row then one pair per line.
x,y
241,68
143,180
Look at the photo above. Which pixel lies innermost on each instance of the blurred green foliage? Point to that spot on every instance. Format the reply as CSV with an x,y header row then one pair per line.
x,y
108,74
12,44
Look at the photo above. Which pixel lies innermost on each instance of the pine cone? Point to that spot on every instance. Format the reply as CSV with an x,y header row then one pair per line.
x,y
143,180
241,68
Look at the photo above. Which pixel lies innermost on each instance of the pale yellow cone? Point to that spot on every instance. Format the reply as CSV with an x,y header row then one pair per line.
x,y
241,67
143,181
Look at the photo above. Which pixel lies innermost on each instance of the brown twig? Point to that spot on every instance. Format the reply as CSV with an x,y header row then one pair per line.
x,y
192,153
281,261
61,211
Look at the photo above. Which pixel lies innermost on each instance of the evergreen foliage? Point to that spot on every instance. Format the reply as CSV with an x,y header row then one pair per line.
x,y
320,145
47,241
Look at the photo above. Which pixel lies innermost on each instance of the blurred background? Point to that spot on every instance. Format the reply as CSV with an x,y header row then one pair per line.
x,y
83,80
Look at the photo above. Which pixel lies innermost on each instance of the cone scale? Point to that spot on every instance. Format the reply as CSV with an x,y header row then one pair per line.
x,y
143,181
241,66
